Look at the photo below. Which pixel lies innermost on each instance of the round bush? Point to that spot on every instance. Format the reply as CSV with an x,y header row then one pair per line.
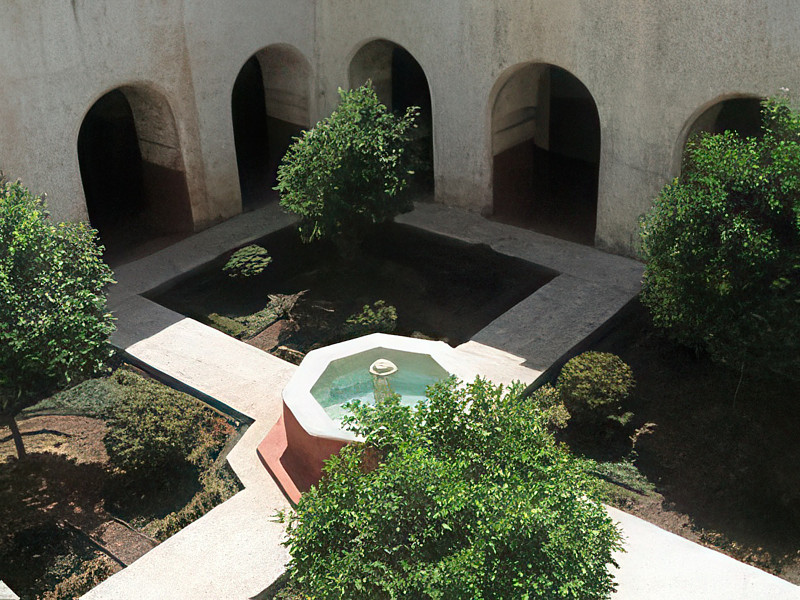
x,y
247,262
595,384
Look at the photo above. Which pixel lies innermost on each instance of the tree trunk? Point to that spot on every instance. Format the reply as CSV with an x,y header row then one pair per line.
x,y
347,245
12,425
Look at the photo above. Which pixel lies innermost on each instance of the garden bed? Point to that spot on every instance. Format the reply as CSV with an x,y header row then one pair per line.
x,y
720,466
66,514
441,289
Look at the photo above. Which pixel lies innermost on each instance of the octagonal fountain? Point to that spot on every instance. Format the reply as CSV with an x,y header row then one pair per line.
x,y
365,368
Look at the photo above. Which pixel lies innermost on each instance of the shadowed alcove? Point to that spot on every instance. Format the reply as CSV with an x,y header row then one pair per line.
x,y
546,152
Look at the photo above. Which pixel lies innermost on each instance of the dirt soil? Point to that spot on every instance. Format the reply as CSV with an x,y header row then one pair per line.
x,y
45,499
724,463
442,288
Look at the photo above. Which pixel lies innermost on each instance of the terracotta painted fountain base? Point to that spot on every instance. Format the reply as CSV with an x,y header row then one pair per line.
x,y
294,457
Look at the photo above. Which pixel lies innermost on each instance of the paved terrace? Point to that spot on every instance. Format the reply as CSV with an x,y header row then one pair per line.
x,y
235,551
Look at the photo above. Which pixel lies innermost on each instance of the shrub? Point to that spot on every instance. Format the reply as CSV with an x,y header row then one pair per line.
x,y
94,397
54,325
347,172
593,385
247,262
226,325
218,484
378,318
91,573
155,428
472,499
722,245
549,400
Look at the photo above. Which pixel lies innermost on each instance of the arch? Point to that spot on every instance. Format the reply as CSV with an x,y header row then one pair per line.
x,y
545,147
400,82
132,170
270,103
729,112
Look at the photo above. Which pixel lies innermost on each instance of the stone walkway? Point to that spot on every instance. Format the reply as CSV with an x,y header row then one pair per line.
x,y
235,551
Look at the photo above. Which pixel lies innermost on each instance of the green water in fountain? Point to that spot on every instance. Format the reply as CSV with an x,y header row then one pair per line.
x,y
349,378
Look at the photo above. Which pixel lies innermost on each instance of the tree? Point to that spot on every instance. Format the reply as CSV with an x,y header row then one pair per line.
x,y
54,326
348,171
722,245
471,499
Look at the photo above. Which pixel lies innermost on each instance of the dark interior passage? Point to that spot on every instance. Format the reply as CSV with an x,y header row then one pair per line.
x,y
111,163
261,136
400,82
410,88
742,115
547,154
546,192
251,133
135,204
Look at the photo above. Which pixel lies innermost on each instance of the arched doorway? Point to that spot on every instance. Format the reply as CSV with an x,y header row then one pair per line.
x,y
546,152
742,115
269,106
132,172
400,82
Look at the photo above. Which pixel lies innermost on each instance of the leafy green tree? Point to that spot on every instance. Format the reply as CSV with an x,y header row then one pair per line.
x,y
471,499
54,326
722,245
348,171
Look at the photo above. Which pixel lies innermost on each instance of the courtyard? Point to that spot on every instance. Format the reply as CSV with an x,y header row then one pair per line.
x,y
243,530
588,182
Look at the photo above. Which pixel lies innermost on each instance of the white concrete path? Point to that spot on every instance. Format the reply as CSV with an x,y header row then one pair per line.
x,y
235,551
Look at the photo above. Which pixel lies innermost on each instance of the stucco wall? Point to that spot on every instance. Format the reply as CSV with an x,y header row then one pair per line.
x,y
220,37
650,66
58,58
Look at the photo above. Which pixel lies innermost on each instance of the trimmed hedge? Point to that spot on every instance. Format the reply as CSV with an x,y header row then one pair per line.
x,y
593,385
155,428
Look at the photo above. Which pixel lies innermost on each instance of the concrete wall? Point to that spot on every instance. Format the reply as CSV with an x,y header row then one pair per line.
x,y
58,58
521,110
651,68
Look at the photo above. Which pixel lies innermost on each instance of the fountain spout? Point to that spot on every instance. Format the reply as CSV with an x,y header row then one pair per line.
x,y
380,370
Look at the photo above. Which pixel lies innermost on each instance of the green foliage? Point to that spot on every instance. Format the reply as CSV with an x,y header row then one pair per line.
x,y
347,172
218,484
471,499
593,386
550,402
378,318
227,325
722,245
94,397
54,326
155,428
244,327
279,306
624,473
247,262
90,574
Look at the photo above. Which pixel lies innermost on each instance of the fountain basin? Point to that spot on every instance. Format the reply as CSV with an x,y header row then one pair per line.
x,y
310,428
